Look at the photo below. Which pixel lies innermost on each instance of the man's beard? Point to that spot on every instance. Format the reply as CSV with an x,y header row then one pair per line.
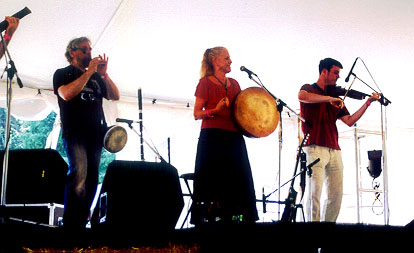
x,y
85,61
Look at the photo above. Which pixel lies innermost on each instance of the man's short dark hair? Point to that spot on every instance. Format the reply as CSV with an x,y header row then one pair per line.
x,y
328,63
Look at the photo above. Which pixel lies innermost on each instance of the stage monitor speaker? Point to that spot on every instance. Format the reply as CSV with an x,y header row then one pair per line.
x,y
34,176
410,225
141,195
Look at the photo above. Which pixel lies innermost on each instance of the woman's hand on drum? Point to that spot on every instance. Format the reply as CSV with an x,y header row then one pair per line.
x,y
222,104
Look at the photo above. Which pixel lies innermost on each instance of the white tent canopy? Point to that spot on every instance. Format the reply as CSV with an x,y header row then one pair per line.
x,y
158,46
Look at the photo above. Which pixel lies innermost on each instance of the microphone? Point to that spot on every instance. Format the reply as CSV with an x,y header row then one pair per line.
x,y
311,165
350,72
21,14
128,121
243,68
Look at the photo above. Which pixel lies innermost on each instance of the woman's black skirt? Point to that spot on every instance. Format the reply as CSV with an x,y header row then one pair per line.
x,y
223,182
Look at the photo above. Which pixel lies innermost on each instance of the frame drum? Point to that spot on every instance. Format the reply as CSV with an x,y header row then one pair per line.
x,y
255,112
115,139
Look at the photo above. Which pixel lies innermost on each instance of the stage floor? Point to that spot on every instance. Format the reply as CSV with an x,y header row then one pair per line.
x,y
259,237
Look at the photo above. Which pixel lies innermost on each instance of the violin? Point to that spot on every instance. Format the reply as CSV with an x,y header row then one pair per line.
x,y
351,93
338,91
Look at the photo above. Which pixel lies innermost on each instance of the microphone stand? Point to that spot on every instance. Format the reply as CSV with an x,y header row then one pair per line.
x,y
278,100
384,103
11,71
383,100
153,148
279,105
140,123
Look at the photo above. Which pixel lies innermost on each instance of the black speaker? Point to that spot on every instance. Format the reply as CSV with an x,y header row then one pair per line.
x,y
141,195
410,225
375,163
34,176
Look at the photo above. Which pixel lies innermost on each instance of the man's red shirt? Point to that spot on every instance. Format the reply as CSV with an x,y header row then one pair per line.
x,y
322,117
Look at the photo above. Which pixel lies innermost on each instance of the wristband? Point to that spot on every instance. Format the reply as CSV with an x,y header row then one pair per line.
x,y
368,103
6,36
208,114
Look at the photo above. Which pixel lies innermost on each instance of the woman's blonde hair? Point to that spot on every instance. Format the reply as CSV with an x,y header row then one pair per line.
x,y
207,68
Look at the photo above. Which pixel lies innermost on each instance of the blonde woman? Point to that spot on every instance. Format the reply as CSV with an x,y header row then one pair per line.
x,y
223,183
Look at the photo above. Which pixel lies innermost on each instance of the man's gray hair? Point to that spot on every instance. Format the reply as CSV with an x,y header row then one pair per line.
x,y
73,45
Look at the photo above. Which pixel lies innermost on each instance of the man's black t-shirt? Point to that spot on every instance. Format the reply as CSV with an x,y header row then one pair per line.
x,y
83,115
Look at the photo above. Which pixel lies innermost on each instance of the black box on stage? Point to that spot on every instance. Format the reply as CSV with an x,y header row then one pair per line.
x,y
143,195
46,213
34,176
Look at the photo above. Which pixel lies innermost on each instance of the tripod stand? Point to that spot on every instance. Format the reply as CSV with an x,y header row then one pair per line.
x,y
290,211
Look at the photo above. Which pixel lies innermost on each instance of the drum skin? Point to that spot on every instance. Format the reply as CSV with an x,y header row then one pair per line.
x,y
255,112
115,139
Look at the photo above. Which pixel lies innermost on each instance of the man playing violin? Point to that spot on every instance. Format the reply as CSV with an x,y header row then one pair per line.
x,y
322,111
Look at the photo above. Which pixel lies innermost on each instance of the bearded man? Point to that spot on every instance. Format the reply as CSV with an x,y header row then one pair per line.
x,y
80,89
